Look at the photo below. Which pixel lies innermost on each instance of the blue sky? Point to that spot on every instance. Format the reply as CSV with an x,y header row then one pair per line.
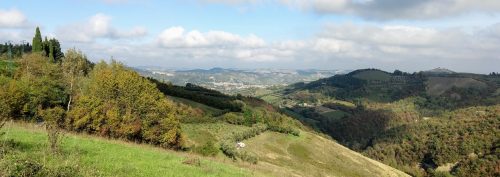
x,y
326,34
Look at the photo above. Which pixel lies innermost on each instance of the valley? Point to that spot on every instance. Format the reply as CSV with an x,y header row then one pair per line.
x,y
414,122
250,88
232,81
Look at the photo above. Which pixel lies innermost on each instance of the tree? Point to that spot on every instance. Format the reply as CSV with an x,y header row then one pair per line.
x,y
75,66
44,83
52,49
46,46
117,102
51,52
397,72
56,49
37,41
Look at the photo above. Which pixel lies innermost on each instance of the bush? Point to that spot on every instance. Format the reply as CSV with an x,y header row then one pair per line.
x,y
233,118
30,167
247,157
208,149
21,167
228,146
53,118
195,161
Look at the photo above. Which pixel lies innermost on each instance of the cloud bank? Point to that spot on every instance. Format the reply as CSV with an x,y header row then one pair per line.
x,y
381,10
12,18
97,27
335,46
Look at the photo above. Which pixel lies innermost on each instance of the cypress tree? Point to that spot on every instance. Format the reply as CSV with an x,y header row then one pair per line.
x,y
57,53
37,41
45,46
51,52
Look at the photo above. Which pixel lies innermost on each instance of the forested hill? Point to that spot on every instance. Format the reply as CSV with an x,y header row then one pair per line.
x,y
425,123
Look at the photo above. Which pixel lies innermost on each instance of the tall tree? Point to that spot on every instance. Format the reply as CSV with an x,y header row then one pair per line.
x,y
45,46
56,49
75,66
37,41
51,52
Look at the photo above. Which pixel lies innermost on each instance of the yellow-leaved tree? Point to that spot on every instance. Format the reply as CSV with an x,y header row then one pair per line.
x,y
117,102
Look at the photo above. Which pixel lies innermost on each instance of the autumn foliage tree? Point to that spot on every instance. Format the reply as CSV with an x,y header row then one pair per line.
x,y
75,66
117,102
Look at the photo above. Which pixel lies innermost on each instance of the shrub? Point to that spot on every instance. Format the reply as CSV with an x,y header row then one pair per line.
x,y
233,118
208,149
53,117
195,161
28,166
228,146
21,167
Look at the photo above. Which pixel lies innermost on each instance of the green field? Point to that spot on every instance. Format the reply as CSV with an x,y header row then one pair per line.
x,y
93,156
335,114
199,134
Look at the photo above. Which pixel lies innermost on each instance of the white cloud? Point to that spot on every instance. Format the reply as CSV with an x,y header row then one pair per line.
x,y
97,26
340,46
177,37
397,9
12,18
384,9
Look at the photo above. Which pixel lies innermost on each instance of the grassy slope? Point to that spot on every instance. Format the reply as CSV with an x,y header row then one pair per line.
x,y
438,85
280,155
194,104
101,157
312,155
287,155
199,134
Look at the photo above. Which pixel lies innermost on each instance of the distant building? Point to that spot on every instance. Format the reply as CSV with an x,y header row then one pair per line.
x,y
240,145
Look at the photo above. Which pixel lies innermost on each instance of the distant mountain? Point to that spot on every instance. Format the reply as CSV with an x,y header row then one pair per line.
x,y
235,80
439,70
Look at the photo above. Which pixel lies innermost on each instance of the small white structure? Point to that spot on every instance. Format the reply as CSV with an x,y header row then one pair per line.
x,y
240,145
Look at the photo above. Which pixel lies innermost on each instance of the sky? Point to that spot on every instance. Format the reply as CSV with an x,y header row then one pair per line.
x,y
410,35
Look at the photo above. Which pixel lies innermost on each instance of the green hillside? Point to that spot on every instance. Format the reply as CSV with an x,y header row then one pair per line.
x,y
286,155
312,155
372,75
438,85
205,108
84,155
419,123
68,110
